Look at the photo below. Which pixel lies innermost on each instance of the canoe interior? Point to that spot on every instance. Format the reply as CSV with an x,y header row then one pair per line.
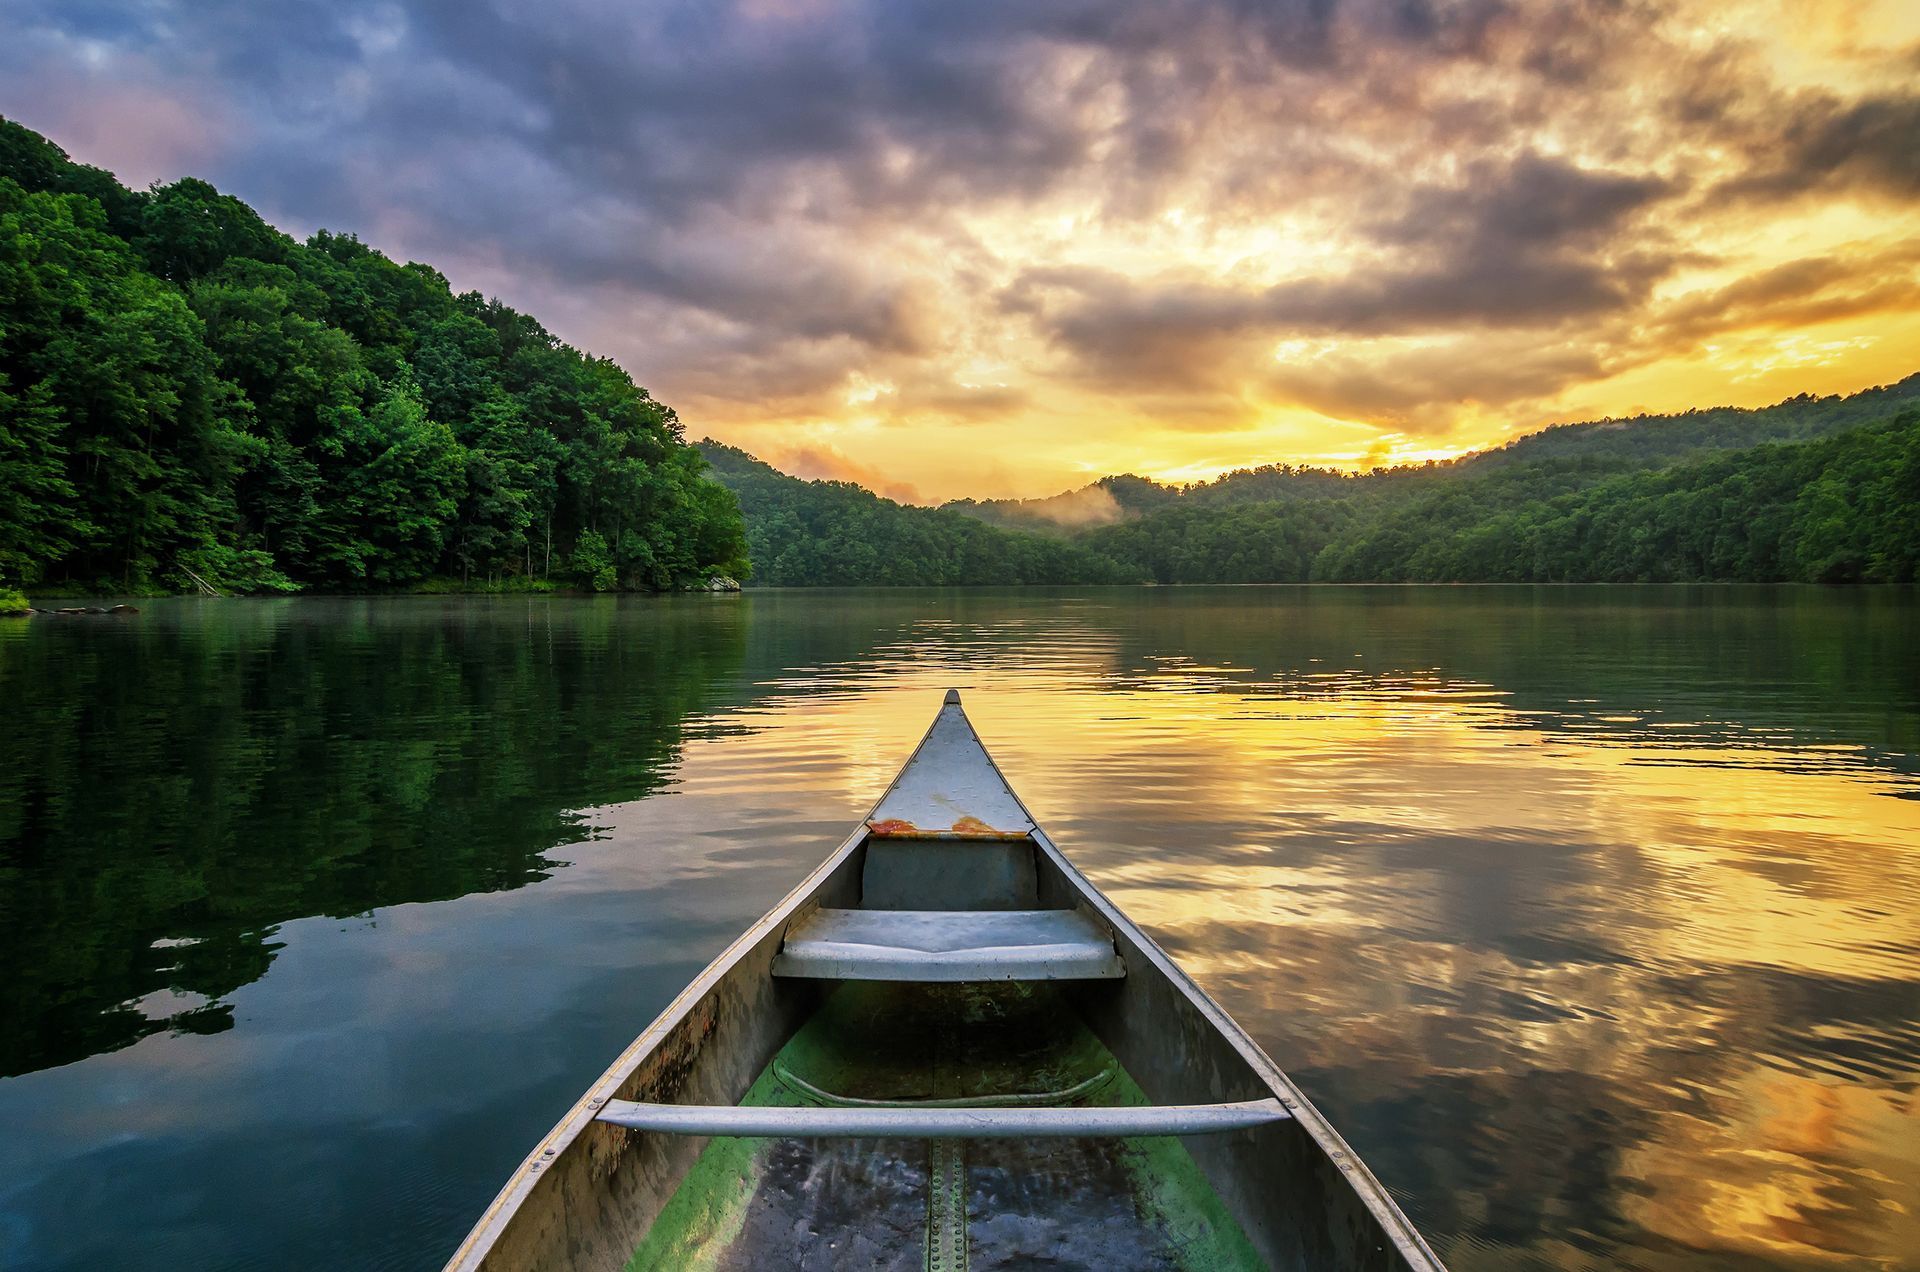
x,y
899,1204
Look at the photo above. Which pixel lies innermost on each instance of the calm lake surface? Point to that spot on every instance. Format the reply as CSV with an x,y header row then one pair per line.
x,y
1590,915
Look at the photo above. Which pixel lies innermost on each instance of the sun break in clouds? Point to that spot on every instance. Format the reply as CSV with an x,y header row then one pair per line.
x,y
1001,248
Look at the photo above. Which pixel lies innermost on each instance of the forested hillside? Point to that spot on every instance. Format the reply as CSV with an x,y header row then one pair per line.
x,y
834,533
186,390
1589,452
1841,508
1600,504
1649,441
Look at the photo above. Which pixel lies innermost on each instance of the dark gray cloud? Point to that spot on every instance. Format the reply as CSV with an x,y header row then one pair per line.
x,y
1813,142
1526,203
1531,241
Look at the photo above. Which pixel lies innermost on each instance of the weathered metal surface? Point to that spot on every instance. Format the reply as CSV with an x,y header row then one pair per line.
x,y
949,788
827,1204
944,1123
923,874
947,946
947,1206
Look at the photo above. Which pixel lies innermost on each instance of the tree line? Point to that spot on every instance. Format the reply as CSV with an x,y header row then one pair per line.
x,y
1686,498
1843,508
186,392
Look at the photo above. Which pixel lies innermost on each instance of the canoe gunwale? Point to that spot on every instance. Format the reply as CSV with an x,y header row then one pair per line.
x,y
479,1243
1400,1230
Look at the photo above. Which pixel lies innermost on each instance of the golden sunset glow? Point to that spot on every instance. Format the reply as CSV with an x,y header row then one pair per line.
x,y
1005,252
1184,324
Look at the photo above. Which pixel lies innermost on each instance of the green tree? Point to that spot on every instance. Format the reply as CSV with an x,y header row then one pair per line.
x,y
189,229
108,364
593,562
35,494
395,485
182,388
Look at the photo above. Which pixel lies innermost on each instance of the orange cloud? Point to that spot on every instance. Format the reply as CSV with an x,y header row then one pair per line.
x,y
823,463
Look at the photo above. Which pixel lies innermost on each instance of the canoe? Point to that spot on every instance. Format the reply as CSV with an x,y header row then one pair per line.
x,y
944,1049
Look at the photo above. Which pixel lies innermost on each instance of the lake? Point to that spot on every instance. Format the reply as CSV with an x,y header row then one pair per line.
x,y
1590,915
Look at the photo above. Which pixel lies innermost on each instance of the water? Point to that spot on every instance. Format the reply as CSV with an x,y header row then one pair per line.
x,y
1590,915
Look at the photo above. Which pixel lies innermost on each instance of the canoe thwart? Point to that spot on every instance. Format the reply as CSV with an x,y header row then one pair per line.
x,y
948,945
944,1123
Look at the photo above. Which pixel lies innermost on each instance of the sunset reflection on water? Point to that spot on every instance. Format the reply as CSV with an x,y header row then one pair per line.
x,y
1591,916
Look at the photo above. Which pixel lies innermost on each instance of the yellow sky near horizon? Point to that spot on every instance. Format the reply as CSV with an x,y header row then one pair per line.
x,y
1753,372
1065,434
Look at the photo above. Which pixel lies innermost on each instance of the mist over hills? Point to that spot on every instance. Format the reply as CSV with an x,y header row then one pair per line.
x,y
837,534
1816,489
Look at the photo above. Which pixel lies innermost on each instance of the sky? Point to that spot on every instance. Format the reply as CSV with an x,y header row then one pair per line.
x,y
1004,247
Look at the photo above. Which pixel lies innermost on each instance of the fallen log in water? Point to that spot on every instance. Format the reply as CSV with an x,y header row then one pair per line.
x,y
83,611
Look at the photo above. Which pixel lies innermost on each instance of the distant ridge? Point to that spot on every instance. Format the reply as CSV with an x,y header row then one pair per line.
x,y
1640,441
837,534
1810,489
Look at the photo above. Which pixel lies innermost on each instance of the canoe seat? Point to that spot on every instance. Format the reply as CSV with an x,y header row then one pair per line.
x,y
948,945
943,1123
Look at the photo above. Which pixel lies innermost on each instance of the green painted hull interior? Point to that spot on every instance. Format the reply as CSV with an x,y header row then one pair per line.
x,y
945,1204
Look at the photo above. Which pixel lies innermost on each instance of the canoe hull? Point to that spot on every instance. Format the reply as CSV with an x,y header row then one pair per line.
x,y
587,1196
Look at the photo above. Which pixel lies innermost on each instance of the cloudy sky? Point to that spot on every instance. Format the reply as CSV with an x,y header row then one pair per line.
x,y
991,248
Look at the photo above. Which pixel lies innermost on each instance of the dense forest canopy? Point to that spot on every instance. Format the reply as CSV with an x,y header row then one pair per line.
x,y
1836,509
185,391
